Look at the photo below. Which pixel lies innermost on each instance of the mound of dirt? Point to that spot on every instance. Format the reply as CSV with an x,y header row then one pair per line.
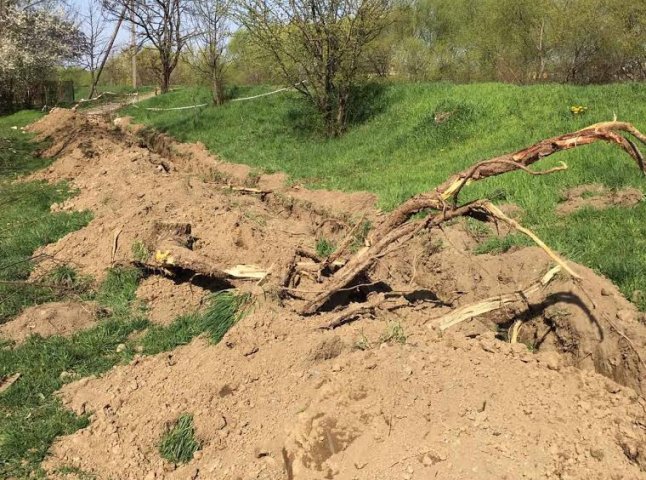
x,y
598,197
437,407
56,318
166,300
389,395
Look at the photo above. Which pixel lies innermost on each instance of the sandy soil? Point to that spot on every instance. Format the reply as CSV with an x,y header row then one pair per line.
x,y
598,197
384,397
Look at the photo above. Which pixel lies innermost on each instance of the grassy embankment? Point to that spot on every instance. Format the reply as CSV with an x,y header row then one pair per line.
x,y
31,417
396,149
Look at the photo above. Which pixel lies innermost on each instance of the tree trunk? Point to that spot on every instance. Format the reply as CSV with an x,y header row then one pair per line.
x,y
165,80
107,53
341,113
217,91
217,83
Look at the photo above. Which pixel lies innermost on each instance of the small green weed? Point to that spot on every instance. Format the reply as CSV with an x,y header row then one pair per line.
x,y
361,235
362,343
258,219
324,248
394,333
179,443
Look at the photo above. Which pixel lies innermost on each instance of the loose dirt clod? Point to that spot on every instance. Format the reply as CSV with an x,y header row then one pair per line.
x,y
280,397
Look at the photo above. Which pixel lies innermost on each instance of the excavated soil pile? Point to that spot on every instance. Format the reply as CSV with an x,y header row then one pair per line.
x,y
388,396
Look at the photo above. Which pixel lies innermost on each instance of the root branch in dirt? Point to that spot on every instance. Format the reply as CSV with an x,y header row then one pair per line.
x,y
442,202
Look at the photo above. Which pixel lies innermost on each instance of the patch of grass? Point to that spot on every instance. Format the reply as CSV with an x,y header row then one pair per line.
x,y
324,248
400,150
77,473
16,148
179,443
498,245
140,252
26,221
223,310
118,292
30,415
479,231
66,278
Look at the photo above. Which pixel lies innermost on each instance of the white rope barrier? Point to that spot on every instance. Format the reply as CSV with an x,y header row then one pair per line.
x,y
262,94
173,108
151,109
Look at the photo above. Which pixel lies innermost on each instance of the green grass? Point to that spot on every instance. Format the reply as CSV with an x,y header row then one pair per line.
x,y
179,443
324,248
223,310
395,149
31,417
26,221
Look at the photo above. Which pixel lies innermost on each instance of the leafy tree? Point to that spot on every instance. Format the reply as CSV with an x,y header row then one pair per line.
x,y
162,24
320,46
211,21
34,39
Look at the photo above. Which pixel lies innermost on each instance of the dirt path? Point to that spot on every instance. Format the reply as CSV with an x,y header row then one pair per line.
x,y
385,397
114,106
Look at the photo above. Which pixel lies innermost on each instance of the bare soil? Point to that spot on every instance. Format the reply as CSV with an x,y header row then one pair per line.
x,y
55,318
598,197
385,397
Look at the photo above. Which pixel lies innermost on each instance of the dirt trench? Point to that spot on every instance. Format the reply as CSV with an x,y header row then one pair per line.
x,y
387,396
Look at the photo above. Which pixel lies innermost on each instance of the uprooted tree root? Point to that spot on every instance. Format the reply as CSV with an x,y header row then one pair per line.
x,y
170,245
442,204
613,354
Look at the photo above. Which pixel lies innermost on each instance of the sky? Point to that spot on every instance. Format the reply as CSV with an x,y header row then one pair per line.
x,y
124,33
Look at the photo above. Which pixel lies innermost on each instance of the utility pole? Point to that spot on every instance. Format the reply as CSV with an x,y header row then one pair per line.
x,y
133,44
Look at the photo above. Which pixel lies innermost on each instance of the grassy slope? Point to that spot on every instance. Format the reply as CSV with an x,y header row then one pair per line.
x,y
399,150
26,221
31,417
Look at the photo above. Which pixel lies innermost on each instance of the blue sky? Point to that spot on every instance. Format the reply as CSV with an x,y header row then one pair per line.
x,y
124,34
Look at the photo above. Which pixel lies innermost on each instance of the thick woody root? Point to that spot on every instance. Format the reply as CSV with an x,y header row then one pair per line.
x,y
515,302
170,252
376,301
397,229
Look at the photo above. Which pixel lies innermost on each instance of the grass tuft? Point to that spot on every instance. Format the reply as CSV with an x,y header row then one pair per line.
x,y
179,443
394,332
324,248
140,252
223,310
